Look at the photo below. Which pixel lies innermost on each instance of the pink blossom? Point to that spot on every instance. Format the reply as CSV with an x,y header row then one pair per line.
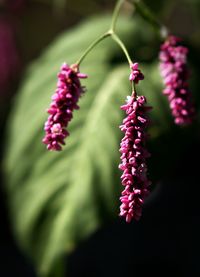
x,y
173,68
64,101
133,158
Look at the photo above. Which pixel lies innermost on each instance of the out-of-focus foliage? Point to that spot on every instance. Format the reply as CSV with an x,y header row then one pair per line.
x,y
57,199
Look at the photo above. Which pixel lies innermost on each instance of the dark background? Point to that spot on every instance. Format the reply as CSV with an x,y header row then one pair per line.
x,y
169,229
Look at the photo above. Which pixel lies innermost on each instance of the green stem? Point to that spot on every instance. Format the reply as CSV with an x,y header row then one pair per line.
x,y
91,46
115,14
149,16
122,46
111,33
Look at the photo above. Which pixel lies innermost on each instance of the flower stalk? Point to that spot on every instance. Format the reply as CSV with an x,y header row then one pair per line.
x,y
91,46
110,33
116,14
150,17
116,38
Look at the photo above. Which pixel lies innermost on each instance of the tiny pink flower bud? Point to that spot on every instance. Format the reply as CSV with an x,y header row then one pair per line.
x,y
136,75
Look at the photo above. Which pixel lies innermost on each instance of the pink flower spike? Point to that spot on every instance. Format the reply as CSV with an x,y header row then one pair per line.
x,y
133,158
175,74
64,101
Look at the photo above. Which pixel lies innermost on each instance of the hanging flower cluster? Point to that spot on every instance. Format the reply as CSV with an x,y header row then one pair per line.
x,y
134,153
173,67
64,101
134,179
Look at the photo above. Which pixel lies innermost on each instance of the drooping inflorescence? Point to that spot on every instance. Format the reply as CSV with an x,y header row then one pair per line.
x,y
64,101
134,153
174,71
173,67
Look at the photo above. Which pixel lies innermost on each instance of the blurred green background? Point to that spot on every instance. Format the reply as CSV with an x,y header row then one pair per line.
x,y
60,210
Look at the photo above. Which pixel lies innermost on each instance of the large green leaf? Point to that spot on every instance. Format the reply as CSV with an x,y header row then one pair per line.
x,y
56,199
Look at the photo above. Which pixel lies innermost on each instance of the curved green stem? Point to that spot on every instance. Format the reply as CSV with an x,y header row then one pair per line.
x,y
122,46
91,46
149,16
111,33
115,14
